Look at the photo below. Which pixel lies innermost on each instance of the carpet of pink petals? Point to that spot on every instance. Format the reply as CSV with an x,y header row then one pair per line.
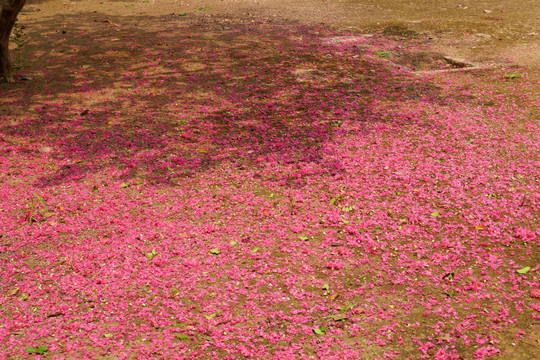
x,y
261,192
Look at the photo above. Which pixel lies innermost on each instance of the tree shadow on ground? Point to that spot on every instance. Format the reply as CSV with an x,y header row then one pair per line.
x,y
159,98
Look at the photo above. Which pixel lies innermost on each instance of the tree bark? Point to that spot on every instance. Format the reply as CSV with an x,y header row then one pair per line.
x,y
8,16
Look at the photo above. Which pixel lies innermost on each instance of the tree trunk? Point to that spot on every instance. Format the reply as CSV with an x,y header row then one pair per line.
x,y
8,16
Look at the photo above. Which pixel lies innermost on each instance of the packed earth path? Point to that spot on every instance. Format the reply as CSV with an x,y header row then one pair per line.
x,y
268,180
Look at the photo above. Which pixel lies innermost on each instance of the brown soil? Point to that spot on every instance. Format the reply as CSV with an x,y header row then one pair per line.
x,y
493,33
500,31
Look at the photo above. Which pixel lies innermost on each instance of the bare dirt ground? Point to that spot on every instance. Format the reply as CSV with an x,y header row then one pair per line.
x,y
477,30
223,179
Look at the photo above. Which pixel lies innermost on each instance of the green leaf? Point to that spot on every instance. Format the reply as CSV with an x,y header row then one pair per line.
x,y
513,75
338,317
524,270
208,317
124,185
203,9
451,293
108,335
39,350
152,254
184,14
233,242
320,331
182,337
303,238
362,231
24,297
40,199
326,287
386,53
436,213
378,229
333,201
215,251
255,249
